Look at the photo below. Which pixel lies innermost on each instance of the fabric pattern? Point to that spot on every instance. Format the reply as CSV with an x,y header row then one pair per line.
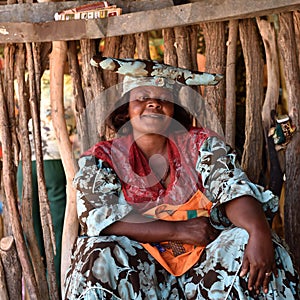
x,y
112,267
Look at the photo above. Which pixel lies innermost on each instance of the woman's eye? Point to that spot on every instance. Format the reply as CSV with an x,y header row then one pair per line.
x,y
145,98
142,98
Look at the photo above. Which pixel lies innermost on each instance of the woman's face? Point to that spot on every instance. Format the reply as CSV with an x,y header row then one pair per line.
x,y
150,109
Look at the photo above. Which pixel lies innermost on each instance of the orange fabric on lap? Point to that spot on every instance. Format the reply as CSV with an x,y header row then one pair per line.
x,y
197,206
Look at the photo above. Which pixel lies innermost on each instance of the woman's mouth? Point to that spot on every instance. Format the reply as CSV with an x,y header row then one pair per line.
x,y
154,116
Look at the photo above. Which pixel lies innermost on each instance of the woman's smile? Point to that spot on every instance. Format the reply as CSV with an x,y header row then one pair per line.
x,y
148,113
154,116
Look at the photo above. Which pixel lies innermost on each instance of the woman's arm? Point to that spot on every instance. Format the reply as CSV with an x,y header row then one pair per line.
x,y
246,212
197,231
240,202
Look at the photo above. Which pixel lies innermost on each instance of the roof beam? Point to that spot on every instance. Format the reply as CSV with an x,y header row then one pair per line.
x,y
138,21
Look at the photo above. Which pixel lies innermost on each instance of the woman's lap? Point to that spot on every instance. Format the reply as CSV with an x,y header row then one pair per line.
x,y
122,267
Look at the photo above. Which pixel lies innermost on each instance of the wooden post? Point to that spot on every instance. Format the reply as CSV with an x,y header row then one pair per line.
x,y
230,116
70,231
288,52
45,214
23,136
170,56
254,98
215,47
3,286
111,49
142,45
274,171
12,267
10,192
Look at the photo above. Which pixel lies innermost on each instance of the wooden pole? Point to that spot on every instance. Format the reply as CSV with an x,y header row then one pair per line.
x,y
288,52
215,47
3,286
70,231
23,136
253,145
268,33
12,267
142,45
10,192
45,214
230,115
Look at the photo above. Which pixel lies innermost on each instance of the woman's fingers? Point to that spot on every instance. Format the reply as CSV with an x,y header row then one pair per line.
x,y
257,277
266,281
245,267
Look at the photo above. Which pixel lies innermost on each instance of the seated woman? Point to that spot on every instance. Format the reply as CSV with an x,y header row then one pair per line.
x,y
167,213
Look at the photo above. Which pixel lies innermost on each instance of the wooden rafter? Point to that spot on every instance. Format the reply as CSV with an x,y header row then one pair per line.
x,y
37,24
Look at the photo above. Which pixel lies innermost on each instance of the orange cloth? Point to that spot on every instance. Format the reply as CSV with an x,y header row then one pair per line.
x,y
197,206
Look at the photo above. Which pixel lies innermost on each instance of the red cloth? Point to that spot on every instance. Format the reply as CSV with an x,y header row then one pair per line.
x,y
132,168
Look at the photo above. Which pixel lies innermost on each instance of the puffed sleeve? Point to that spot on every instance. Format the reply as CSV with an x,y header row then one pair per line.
x,y
100,201
224,180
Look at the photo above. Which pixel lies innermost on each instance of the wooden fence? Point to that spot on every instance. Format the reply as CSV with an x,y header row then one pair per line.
x,y
268,34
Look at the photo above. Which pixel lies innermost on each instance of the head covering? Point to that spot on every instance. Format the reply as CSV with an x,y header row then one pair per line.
x,y
150,68
139,72
130,82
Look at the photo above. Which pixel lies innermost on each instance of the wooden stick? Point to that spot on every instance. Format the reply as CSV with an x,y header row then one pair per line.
x,y
142,45
79,101
23,136
288,52
215,47
230,115
11,266
70,232
46,220
3,286
10,192
253,145
268,34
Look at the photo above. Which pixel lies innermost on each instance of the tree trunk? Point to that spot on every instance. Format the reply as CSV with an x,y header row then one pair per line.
x,y
252,155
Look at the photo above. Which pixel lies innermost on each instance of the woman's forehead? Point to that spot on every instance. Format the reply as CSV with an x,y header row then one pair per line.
x,y
153,89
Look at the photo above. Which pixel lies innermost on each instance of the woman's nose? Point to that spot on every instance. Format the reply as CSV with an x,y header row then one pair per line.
x,y
153,102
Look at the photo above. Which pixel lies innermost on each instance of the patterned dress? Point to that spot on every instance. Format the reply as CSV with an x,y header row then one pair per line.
x,y
114,179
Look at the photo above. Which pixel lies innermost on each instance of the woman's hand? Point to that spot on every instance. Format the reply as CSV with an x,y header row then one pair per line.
x,y
259,261
197,231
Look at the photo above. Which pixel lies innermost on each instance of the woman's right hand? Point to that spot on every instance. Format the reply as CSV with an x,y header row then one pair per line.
x,y
196,231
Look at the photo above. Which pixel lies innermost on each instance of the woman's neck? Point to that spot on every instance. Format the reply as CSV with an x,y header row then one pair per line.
x,y
151,144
